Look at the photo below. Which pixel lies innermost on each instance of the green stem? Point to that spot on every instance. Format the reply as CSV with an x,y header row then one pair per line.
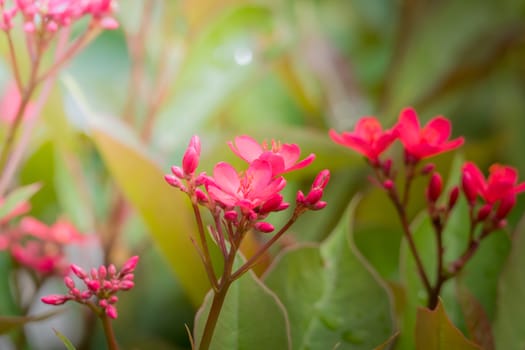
x,y
213,316
108,332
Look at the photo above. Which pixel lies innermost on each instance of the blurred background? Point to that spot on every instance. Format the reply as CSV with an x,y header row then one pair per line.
x,y
126,107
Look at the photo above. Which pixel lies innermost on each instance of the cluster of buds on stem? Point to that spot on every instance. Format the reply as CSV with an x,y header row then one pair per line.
x,y
101,284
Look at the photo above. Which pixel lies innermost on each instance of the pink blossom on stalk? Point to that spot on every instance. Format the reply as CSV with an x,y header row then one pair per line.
x,y
368,138
282,157
101,284
249,191
423,142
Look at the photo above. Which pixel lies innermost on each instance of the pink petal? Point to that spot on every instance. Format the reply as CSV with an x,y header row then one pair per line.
x,y
368,128
441,126
260,174
408,127
246,148
226,177
290,154
34,227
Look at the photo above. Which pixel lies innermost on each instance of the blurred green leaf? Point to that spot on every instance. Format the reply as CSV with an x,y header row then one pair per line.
x,y
435,331
323,289
219,62
509,324
7,303
67,343
16,197
164,210
252,317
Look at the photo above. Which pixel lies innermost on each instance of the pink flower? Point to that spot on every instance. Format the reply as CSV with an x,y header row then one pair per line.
x,y
424,142
282,157
368,138
501,183
249,191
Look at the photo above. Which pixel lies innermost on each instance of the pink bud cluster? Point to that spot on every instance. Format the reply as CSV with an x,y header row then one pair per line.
x,y
313,200
51,15
102,283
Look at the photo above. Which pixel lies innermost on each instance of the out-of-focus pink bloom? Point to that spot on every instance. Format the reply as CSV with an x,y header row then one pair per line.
x,y
282,157
502,182
424,142
40,247
102,283
10,103
248,191
368,138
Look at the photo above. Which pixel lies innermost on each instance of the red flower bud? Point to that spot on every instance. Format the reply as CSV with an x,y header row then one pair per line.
x,y
453,197
264,227
470,187
484,212
130,265
55,299
388,184
435,186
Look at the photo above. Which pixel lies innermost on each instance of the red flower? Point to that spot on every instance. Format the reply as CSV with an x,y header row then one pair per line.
x,y
501,183
282,157
368,138
249,191
424,142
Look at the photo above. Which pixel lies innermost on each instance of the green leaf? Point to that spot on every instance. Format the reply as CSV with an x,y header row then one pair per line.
x,y
67,343
435,331
332,296
17,197
164,209
252,317
509,324
9,323
213,71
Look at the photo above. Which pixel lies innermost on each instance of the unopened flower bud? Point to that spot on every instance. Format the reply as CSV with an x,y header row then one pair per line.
x,y
78,271
55,299
231,215
321,180
314,196
102,272
484,212
453,197
130,265
434,188
300,197
93,285
388,184
469,188
113,299
202,198
68,281
126,285
387,166
173,181
319,205
112,270
264,227
177,171
428,168
93,273
111,311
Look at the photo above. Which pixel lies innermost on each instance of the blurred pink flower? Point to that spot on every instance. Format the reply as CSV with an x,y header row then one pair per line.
x,y
282,157
368,138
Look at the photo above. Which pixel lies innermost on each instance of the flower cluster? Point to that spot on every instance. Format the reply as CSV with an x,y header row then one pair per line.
x,y
370,140
248,197
40,247
241,201
51,15
102,283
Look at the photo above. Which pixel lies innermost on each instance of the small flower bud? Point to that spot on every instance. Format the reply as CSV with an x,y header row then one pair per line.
x,y
321,180
130,265
319,205
177,171
202,198
300,197
78,271
484,212
111,311
388,184
264,227
112,270
93,273
314,196
231,215
434,188
190,160
126,285
68,281
428,169
453,197
469,188
173,181
113,299
55,299
93,285
387,166
102,272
